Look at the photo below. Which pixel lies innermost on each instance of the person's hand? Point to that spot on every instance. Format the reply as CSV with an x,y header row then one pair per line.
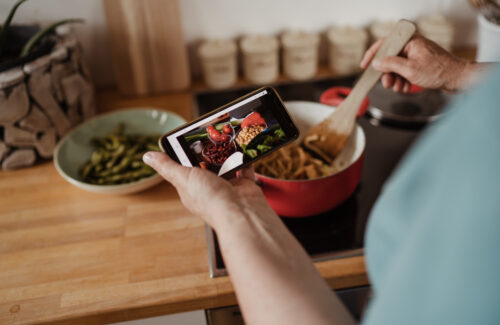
x,y
422,62
208,196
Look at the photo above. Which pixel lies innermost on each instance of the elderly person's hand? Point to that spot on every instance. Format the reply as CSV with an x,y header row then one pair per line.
x,y
271,272
422,63
208,196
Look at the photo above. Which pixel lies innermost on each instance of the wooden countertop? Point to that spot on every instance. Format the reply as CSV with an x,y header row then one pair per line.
x,y
72,257
68,256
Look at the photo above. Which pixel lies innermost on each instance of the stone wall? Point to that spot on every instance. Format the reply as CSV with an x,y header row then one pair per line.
x,y
41,101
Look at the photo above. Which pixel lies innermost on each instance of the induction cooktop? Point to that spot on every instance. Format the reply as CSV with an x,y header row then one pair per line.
x,y
339,232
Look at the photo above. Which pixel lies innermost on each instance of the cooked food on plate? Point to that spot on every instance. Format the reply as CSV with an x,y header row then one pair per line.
x,y
248,133
251,126
264,141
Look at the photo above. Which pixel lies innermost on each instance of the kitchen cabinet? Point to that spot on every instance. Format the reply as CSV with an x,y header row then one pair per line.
x,y
189,318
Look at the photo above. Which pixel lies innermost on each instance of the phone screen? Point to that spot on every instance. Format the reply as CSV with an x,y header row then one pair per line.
x,y
235,135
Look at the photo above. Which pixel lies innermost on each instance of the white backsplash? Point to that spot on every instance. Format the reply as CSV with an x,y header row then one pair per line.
x,y
232,18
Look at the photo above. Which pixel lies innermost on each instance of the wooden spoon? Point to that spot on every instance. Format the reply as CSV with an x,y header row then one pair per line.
x,y
327,138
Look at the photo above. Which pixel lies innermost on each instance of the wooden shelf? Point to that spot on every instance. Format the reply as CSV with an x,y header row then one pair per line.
x,y
324,72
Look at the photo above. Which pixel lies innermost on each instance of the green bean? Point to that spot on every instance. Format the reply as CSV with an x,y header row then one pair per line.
x,y
98,168
152,147
132,150
136,164
117,158
85,171
122,166
96,157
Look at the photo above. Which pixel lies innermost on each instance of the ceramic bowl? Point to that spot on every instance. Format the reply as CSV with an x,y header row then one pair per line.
x,y
74,149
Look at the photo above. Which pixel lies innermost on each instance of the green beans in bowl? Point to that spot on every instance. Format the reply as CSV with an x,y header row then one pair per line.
x,y
104,154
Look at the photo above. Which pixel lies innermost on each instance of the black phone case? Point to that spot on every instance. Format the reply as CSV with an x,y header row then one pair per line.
x,y
284,116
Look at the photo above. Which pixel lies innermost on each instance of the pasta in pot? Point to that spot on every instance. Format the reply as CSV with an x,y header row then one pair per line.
x,y
293,163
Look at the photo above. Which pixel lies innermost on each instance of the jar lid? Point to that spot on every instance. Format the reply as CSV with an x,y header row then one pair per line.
x,y
217,48
259,44
299,39
347,34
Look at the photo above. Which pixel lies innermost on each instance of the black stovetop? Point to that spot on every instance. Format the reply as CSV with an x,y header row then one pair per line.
x,y
339,232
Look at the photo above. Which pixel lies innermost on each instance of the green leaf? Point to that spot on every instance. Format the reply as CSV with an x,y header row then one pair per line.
x,y
252,153
233,123
5,27
280,133
197,136
268,140
41,34
263,148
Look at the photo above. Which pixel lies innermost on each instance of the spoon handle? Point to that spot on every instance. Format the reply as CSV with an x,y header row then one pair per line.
x,y
394,43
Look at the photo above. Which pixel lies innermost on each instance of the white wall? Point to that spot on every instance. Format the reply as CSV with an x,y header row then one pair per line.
x,y
226,18
230,18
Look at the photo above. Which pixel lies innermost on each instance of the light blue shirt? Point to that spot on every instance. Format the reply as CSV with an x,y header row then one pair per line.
x,y
433,239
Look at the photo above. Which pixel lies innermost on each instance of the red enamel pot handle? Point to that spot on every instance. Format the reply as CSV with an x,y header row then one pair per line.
x,y
335,95
414,89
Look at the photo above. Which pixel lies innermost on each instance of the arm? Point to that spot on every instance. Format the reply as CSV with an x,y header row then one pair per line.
x,y
424,63
274,278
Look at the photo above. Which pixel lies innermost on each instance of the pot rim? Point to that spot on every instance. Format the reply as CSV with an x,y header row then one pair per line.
x,y
357,156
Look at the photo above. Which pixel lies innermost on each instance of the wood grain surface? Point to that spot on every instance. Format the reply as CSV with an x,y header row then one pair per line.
x,y
72,257
148,47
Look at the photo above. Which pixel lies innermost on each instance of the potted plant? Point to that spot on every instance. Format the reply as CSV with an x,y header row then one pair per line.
x,y
45,89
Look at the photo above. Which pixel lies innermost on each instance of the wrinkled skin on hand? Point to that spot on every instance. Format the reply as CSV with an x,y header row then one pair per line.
x,y
208,196
422,62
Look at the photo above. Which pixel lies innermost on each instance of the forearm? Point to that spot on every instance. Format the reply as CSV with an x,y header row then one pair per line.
x,y
274,278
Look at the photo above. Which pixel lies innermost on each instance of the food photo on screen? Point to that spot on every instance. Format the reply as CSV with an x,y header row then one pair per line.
x,y
234,138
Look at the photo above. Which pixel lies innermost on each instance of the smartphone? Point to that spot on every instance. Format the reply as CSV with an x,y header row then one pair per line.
x,y
234,135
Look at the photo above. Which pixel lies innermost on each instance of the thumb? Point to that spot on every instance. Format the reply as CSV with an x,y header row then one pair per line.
x,y
166,167
394,64
247,173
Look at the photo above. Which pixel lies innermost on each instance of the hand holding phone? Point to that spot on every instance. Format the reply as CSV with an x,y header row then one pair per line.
x,y
233,136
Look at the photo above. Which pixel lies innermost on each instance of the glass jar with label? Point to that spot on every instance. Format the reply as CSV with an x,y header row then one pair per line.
x,y
300,54
260,58
219,63
346,46
438,29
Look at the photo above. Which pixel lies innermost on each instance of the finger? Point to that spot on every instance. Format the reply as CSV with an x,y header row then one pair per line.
x,y
408,46
406,87
370,53
247,173
394,64
166,167
413,43
398,84
234,181
387,80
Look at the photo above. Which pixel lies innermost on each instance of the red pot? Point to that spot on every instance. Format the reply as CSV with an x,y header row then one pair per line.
x,y
414,89
302,198
335,95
